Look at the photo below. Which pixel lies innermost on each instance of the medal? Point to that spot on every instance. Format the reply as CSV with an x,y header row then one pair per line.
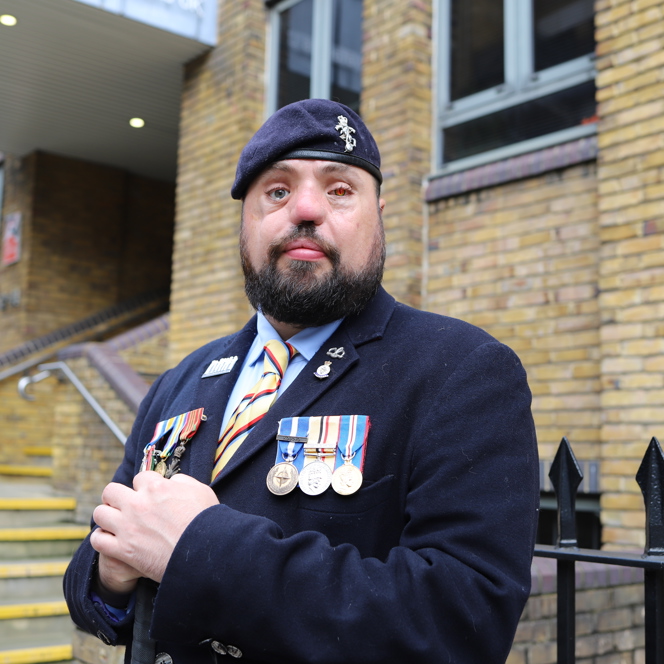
x,y
347,479
175,431
315,478
282,478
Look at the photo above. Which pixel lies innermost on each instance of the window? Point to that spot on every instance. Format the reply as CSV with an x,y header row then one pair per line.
x,y
515,76
316,51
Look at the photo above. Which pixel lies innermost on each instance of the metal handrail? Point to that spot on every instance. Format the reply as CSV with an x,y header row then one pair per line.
x,y
45,370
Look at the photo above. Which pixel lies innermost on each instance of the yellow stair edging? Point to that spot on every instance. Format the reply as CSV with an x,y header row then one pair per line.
x,y
38,450
53,503
26,471
33,610
32,569
43,533
36,655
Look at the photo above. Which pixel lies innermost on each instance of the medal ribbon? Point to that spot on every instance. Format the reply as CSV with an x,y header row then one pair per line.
x,y
181,427
322,440
352,438
290,430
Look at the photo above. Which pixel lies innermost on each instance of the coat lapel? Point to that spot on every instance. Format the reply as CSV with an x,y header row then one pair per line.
x,y
212,394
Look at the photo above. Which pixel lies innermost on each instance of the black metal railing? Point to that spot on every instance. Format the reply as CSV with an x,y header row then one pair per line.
x,y
565,477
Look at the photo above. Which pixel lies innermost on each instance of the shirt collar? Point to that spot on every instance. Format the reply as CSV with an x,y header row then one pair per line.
x,y
307,341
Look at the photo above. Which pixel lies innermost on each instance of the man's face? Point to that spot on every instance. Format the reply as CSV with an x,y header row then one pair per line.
x,y
312,244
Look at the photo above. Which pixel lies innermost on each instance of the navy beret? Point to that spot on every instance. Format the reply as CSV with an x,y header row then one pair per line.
x,y
309,129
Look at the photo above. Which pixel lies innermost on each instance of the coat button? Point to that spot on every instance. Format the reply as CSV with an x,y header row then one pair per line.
x,y
219,648
163,658
234,651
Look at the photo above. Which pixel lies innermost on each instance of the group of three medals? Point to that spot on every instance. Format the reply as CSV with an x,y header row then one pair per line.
x,y
329,451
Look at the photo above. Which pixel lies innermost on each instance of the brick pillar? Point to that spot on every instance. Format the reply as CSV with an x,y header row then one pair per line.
x,y
631,219
396,105
222,107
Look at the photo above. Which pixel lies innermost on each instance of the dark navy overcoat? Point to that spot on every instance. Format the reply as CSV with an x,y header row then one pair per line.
x,y
428,562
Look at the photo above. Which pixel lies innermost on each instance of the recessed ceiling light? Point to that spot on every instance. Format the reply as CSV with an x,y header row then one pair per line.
x,y
8,20
137,122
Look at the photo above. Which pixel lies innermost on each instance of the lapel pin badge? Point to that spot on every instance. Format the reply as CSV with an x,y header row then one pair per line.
x,y
323,370
336,353
219,367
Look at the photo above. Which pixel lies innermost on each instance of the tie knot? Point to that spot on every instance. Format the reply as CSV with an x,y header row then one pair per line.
x,y
277,356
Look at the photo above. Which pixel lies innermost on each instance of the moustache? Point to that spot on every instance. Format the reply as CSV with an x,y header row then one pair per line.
x,y
277,247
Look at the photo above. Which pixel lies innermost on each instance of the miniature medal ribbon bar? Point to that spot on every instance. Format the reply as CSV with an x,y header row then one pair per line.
x,y
175,432
315,453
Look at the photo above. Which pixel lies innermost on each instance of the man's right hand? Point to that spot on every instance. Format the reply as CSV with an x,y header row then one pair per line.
x,y
116,577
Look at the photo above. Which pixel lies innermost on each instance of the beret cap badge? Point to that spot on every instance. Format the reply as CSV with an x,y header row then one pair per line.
x,y
346,133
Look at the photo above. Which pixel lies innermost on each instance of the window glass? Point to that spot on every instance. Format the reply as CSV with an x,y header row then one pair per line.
x,y
563,30
295,42
347,53
567,108
477,49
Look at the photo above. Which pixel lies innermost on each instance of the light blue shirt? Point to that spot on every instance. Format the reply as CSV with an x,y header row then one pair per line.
x,y
307,342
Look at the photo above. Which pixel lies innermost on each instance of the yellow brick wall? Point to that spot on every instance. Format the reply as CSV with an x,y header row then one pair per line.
x,y
520,260
396,104
630,84
222,107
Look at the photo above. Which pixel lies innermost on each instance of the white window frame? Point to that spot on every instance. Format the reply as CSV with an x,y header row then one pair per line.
x,y
321,54
522,84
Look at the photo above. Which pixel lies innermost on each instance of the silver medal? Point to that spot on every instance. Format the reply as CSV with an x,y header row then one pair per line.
x,y
315,478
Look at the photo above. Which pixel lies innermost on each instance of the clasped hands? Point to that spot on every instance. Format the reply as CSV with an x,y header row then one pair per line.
x,y
139,527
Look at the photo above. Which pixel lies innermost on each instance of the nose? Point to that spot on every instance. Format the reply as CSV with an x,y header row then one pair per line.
x,y
308,205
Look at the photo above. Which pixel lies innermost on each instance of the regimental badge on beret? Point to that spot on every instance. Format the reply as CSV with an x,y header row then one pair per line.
x,y
346,133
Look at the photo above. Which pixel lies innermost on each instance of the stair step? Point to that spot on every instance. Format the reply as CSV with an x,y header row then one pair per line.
x,y
41,541
16,512
33,610
38,450
37,655
31,579
25,471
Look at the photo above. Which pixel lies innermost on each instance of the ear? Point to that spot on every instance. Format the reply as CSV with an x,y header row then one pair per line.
x,y
381,204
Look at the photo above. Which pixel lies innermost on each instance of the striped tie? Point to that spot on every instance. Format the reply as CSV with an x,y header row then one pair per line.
x,y
254,404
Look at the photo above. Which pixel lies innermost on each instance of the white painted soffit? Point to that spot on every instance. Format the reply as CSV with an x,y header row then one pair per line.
x,y
73,75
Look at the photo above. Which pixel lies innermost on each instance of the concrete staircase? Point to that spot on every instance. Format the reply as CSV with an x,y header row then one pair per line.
x,y
37,538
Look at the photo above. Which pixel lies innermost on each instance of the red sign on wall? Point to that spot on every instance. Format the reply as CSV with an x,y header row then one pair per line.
x,y
11,238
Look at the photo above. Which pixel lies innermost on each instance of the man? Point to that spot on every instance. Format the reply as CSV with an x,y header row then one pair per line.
x,y
383,509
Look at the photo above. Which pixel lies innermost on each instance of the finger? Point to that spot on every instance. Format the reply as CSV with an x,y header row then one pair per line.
x,y
115,494
107,517
147,479
104,542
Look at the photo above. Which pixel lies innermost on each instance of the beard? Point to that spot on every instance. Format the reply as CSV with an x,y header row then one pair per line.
x,y
297,296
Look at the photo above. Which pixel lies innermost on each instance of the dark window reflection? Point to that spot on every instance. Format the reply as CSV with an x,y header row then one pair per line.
x,y
477,46
347,53
563,30
295,53
561,110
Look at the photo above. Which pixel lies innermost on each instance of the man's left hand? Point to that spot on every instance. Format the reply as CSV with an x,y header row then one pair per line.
x,y
141,526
